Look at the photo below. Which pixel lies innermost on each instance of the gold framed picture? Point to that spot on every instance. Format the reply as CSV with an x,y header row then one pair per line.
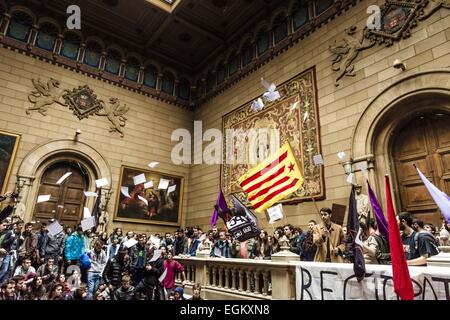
x,y
151,197
9,143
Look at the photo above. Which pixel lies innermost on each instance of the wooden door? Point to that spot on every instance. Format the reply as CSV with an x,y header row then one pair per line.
x,y
67,199
424,141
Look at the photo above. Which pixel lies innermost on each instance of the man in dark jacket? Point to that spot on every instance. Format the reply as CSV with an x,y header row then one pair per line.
x,y
116,268
138,257
150,285
6,240
126,291
294,240
180,242
29,248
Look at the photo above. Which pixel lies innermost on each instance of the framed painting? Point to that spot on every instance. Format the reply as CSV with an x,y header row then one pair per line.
x,y
9,143
145,196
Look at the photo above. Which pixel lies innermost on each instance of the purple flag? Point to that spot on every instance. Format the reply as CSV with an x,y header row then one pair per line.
x,y
221,204
379,216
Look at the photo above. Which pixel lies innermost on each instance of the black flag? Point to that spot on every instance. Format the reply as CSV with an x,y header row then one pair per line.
x,y
244,224
353,242
97,212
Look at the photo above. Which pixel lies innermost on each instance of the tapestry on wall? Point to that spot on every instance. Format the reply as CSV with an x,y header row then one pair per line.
x,y
295,118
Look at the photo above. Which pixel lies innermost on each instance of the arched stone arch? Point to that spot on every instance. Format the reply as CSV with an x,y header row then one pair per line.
x,y
37,160
23,9
50,21
372,137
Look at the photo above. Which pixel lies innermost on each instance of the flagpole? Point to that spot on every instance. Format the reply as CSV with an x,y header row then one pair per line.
x,y
317,208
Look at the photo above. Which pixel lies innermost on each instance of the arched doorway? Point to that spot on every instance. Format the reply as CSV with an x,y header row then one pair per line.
x,y
67,198
424,140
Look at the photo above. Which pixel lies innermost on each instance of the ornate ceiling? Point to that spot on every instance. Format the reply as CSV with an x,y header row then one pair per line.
x,y
185,34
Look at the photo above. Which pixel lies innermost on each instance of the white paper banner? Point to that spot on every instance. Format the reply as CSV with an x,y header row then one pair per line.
x,y
64,177
43,198
336,281
88,223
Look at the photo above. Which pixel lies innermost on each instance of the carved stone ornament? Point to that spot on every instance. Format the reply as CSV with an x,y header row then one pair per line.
x,y
397,19
82,101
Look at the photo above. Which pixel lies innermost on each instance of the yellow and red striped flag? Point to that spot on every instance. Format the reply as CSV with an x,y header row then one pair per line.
x,y
273,179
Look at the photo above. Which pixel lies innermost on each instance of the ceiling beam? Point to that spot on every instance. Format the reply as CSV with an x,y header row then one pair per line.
x,y
160,30
200,29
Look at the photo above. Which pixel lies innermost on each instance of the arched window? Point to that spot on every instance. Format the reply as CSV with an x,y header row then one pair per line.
x,y
210,82
20,26
322,5
168,83
233,65
92,54
184,89
262,42
221,69
113,61
300,14
132,69
247,53
150,76
70,45
280,28
46,36
199,89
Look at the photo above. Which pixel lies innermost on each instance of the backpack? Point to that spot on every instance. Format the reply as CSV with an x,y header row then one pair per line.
x,y
85,261
431,239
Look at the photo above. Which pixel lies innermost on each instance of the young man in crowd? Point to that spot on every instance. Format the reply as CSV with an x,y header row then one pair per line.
x,y
329,238
222,247
196,292
74,248
173,267
150,285
180,242
6,240
25,269
98,264
126,291
138,257
29,248
48,271
116,268
307,246
425,243
294,240
8,291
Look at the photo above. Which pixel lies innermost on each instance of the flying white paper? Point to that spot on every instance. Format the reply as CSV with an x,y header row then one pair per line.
x,y
350,178
156,255
275,213
101,182
143,199
139,179
171,189
43,198
161,278
129,243
318,160
88,223
153,164
163,184
54,228
86,213
156,241
271,94
148,185
257,105
64,177
341,154
125,192
90,194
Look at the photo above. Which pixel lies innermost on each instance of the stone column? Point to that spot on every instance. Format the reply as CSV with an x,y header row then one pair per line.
x,y
440,260
281,284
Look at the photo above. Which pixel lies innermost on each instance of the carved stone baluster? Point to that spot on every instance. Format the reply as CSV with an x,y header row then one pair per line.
x,y
248,274
214,272
256,273
241,280
220,277
233,279
208,273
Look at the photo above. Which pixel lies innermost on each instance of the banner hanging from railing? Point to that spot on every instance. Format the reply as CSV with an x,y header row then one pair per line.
x,y
335,281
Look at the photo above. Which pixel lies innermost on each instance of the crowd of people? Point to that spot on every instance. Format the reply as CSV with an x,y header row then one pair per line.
x,y
86,265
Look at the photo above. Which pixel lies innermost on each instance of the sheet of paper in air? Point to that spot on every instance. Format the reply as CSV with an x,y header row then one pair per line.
x,y
43,198
148,185
161,278
217,252
156,241
318,159
125,192
257,105
271,94
86,213
54,228
171,189
139,179
64,177
101,182
129,243
275,213
153,164
341,154
90,194
88,223
156,255
143,199
163,184
350,178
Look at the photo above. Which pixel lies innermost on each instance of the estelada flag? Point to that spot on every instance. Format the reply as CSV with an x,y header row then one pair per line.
x,y
273,179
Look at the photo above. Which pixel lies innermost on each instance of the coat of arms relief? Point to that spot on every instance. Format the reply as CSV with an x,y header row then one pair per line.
x,y
397,19
82,101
